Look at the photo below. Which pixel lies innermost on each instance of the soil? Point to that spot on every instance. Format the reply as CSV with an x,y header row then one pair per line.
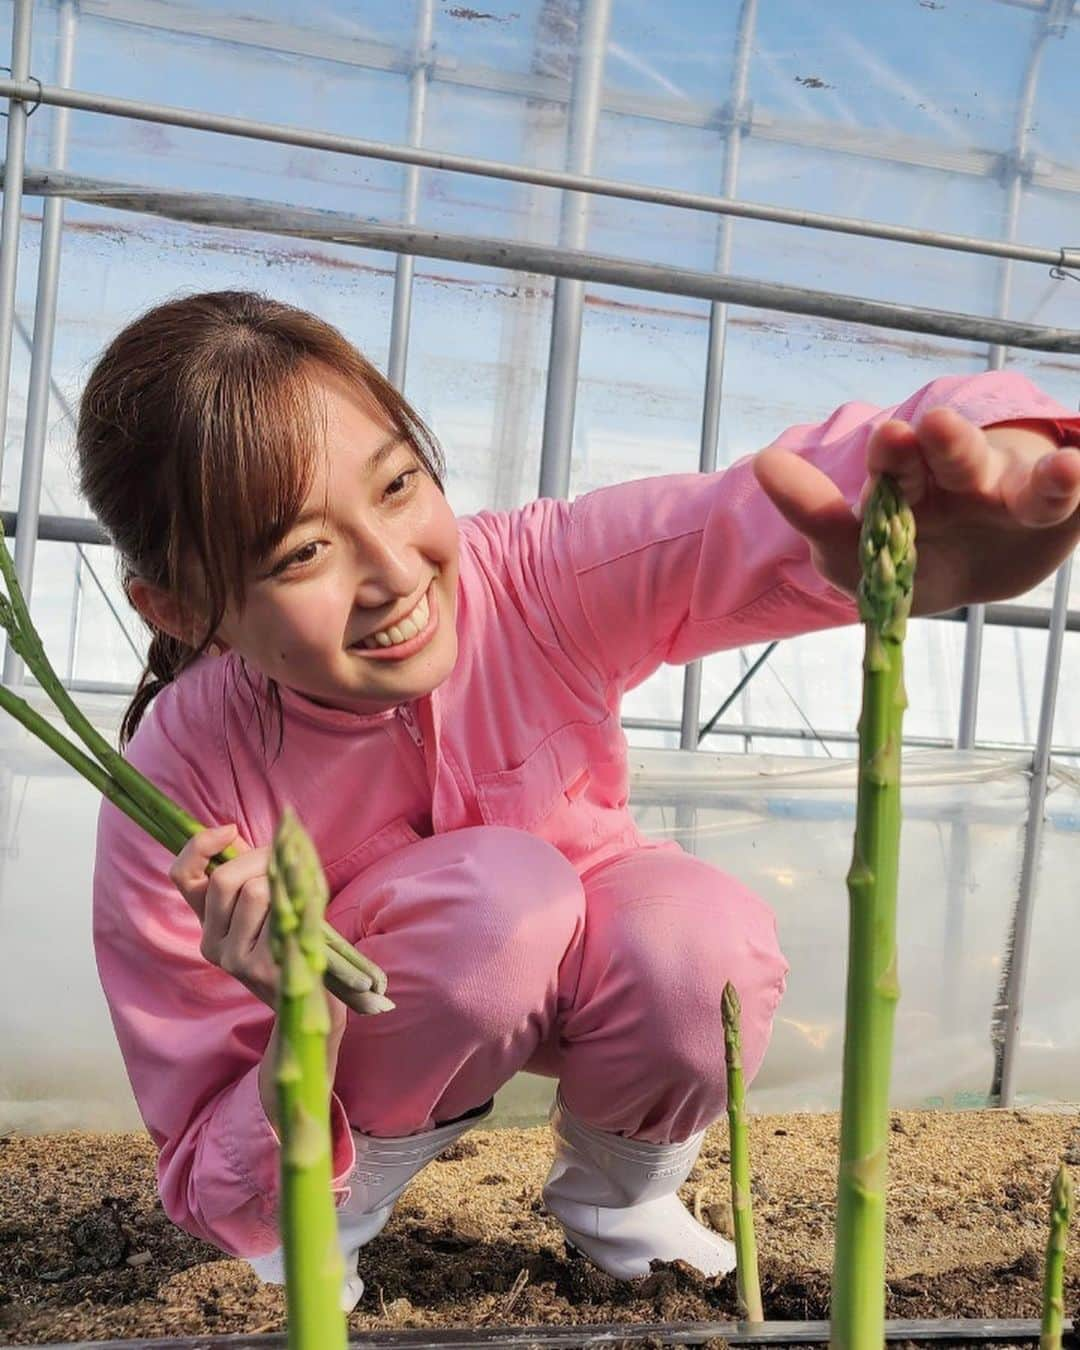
x,y
86,1252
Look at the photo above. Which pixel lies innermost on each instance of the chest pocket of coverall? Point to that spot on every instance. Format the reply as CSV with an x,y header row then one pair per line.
x,y
581,765
395,834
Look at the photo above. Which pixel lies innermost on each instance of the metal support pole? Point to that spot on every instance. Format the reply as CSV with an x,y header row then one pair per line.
x,y
76,617
549,260
41,350
714,363
569,304
403,270
14,163
960,842
1009,1015
275,133
1051,22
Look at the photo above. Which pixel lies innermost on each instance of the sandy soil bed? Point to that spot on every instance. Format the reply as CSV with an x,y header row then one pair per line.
x,y
86,1252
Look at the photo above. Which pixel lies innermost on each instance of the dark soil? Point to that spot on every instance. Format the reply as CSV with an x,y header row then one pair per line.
x,y
86,1252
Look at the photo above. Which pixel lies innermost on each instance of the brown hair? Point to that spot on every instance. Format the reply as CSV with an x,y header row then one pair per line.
x,y
194,446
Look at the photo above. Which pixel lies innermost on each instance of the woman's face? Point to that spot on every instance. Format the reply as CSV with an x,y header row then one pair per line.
x,y
356,607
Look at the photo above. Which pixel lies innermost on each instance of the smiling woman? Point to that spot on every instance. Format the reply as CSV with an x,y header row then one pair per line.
x,y
250,420
449,694
374,547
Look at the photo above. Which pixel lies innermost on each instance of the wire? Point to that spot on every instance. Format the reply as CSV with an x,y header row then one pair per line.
x,y
747,677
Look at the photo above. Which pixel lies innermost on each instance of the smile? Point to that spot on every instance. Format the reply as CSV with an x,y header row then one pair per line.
x,y
406,636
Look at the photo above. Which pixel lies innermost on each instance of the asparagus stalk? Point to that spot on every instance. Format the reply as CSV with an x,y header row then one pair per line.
x,y
350,974
747,1283
1061,1204
313,1264
887,554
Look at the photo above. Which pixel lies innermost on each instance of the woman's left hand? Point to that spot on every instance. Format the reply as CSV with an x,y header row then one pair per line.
x,y
996,511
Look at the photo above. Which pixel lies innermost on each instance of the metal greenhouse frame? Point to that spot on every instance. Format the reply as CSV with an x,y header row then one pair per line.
x,y
568,261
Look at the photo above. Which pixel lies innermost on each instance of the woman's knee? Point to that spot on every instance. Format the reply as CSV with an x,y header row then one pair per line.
x,y
511,908
676,954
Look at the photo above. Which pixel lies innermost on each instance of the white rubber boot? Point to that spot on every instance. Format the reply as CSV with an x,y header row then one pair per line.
x,y
616,1200
383,1168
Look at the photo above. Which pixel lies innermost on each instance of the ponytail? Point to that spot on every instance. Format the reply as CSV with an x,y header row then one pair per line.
x,y
167,657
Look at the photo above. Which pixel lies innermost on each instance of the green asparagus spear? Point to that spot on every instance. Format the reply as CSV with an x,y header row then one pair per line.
x,y
747,1283
1061,1204
887,554
313,1266
350,975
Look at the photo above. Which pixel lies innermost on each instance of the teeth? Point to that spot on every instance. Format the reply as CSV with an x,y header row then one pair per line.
x,y
409,627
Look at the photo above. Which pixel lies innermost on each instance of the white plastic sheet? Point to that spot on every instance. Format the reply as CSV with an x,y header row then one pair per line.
x,y
782,826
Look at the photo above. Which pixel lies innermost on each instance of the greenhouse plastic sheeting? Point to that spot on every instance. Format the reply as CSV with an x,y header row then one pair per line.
x,y
782,826
884,112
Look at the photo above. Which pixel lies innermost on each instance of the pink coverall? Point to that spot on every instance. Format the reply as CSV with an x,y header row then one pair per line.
x,y
478,844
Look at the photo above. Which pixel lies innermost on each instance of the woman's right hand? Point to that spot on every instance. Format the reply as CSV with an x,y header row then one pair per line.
x,y
233,906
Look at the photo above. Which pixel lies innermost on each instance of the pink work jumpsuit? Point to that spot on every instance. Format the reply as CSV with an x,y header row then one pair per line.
x,y
478,844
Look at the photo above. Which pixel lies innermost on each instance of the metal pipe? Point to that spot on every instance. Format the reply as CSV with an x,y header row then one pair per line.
x,y
76,617
763,731
10,217
1052,21
714,361
277,134
62,529
569,301
1054,16
405,266
969,684
83,530
1008,1019
337,227
41,347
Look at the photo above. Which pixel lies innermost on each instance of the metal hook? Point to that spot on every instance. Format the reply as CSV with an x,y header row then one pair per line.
x,y
1060,272
37,102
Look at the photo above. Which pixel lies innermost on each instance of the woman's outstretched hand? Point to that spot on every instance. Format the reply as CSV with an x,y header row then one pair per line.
x,y
996,511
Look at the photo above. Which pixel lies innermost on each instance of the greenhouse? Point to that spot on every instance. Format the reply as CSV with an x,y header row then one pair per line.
x,y
592,242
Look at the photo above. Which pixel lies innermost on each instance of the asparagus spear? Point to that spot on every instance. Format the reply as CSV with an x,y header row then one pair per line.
x,y
887,554
350,974
1061,1203
313,1265
747,1283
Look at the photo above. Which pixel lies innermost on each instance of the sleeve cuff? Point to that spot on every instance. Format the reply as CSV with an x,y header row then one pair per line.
x,y
252,1148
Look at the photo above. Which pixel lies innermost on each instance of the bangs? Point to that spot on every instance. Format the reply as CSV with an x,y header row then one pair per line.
x,y
256,448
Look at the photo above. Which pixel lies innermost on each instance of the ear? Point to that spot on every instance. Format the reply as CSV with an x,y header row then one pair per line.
x,y
167,612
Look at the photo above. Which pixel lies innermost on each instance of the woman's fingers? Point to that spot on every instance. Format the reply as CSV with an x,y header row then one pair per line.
x,y
1048,493
245,874
245,951
894,449
188,870
807,498
812,504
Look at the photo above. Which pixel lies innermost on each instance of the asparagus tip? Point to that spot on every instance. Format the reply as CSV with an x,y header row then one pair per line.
x,y
887,553
1061,1195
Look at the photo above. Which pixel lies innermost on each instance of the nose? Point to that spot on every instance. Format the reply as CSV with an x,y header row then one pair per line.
x,y
388,568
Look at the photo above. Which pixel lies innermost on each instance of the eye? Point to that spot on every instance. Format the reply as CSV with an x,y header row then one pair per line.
x,y
401,483
302,557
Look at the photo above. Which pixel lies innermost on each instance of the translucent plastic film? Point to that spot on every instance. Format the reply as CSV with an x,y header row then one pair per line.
x,y
780,825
